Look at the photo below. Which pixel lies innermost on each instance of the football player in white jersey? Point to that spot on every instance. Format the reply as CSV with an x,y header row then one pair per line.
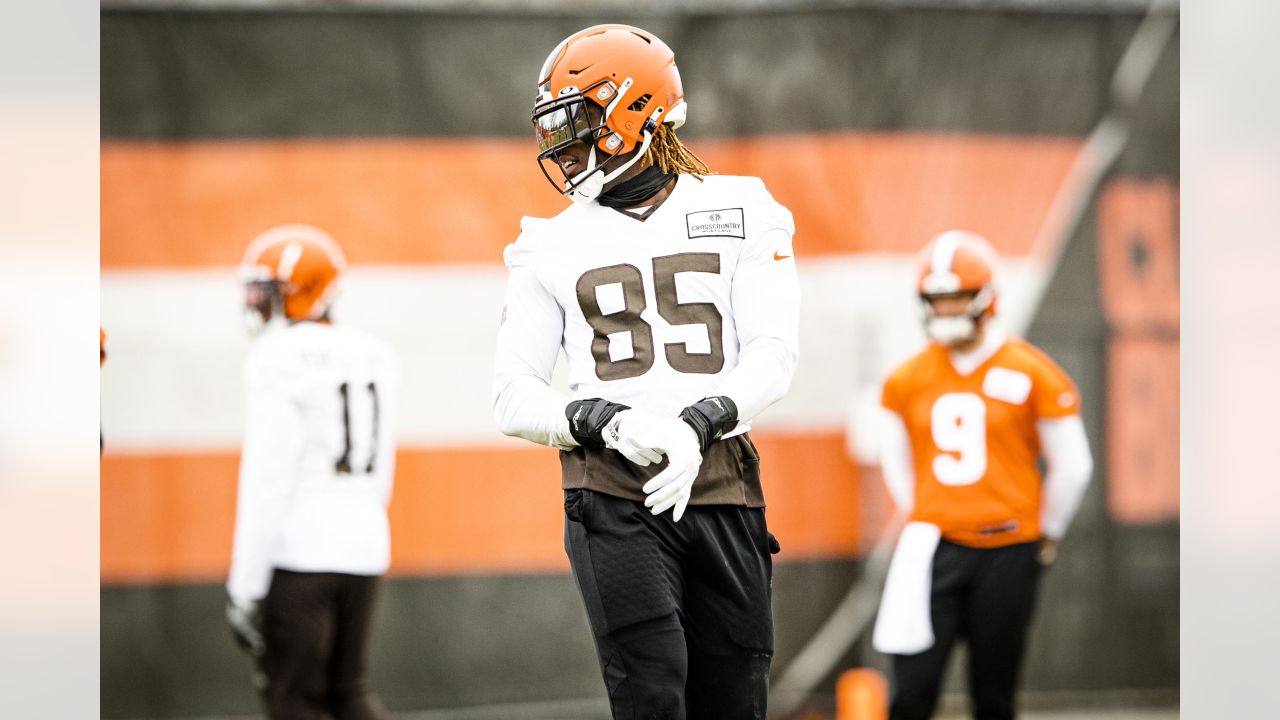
x,y
311,535
673,293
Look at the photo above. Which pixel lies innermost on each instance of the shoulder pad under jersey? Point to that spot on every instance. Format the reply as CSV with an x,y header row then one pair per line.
x,y
760,209
521,252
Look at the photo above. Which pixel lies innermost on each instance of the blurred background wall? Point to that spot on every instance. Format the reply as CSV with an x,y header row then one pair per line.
x,y
402,128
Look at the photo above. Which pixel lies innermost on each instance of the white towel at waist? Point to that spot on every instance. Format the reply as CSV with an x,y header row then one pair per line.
x,y
903,626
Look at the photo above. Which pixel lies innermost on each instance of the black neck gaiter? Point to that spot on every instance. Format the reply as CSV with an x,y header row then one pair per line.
x,y
635,191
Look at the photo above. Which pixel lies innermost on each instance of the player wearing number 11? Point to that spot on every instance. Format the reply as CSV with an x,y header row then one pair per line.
x,y
967,420
674,296
311,535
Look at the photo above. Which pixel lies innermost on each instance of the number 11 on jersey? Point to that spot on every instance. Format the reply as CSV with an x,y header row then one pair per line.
x,y
343,464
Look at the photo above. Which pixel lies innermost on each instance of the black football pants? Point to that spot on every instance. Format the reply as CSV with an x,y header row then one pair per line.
x,y
680,611
986,597
316,629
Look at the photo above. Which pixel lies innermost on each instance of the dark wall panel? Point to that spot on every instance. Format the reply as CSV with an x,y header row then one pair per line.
x,y
1108,614
263,74
441,642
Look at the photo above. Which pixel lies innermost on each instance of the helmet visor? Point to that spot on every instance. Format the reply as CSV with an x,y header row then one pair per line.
x,y
560,124
263,298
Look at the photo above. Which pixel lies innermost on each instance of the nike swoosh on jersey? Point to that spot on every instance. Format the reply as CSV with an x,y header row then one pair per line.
x,y
776,256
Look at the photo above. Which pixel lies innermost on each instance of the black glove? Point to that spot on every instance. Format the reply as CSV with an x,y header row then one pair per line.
x,y
244,618
587,419
711,418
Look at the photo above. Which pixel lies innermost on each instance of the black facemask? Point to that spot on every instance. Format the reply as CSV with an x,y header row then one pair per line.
x,y
635,191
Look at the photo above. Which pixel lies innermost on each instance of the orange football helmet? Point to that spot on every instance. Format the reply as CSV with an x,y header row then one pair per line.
x,y
630,78
291,271
957,263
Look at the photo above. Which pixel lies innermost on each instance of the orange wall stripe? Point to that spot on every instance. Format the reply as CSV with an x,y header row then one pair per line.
x,y
169,518
438,200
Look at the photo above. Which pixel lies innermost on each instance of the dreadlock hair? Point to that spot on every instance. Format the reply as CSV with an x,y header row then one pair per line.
x,y
671,156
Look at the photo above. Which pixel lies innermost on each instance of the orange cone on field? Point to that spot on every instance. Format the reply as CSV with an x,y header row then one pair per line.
x,y
862,694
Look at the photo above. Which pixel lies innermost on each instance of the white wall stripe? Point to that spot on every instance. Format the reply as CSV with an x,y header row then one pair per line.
x,y
177,339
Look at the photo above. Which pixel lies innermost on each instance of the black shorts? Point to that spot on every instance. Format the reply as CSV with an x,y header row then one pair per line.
x,y
680,611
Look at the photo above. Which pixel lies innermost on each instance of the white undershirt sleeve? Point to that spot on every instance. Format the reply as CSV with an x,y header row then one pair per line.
x,y
269,466
766,311
1068,467
896,462
524,403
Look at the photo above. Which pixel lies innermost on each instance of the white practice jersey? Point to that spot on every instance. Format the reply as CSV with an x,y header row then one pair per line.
x,y
700,299
319,455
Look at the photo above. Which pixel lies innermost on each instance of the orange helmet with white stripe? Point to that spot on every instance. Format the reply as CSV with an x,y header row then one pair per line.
x,y
610,86
957,263
291,271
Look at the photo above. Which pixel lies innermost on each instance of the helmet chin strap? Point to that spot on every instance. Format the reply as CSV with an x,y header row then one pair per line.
x,y
590,188
948,330
256,325
953,329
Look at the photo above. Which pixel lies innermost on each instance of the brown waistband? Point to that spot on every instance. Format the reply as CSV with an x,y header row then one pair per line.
x,y
730,473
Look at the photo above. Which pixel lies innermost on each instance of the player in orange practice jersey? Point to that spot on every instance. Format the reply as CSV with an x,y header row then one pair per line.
x,y
968,418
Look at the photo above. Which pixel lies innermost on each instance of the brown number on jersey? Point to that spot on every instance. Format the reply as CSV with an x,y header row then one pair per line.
x,y
669,307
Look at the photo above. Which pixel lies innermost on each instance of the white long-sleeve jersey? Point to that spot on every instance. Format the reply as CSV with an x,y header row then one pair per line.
x,y
319,455
699,299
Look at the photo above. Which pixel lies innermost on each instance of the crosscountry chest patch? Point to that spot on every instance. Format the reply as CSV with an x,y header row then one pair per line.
x,y
716,223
